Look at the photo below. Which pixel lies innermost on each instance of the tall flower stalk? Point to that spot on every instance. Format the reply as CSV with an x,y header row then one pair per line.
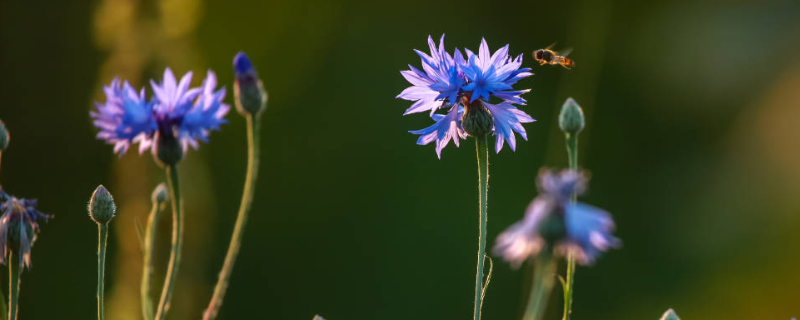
x,y
101,210
171,121
463,85
483,189
158,199
176,243
251,100
571,121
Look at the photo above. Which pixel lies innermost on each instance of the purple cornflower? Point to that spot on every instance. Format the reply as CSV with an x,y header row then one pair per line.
x,y
460,84
175,110
554,221
19,226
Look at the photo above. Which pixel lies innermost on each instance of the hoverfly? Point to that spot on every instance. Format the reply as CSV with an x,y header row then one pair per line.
x,y
547,56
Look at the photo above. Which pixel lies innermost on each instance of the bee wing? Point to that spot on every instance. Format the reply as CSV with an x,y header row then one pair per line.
x,y
565,52
550,46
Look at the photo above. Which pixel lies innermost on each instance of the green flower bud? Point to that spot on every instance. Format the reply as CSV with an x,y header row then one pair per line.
x,y
4,137
168,149
571,119
670,315
160,194
248,90
102,207
477,120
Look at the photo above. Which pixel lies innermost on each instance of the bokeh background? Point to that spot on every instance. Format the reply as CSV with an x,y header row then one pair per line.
x,y
693,111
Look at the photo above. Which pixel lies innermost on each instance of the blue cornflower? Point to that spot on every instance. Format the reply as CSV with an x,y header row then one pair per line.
x,y
175,111
126,117
554,221
460,84
19,225
494,74
440,84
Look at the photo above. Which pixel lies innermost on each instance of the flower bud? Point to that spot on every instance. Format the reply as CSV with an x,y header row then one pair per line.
x,y
248,90
4,137
571,119
168,149
477,120
160,194
102,207
670,315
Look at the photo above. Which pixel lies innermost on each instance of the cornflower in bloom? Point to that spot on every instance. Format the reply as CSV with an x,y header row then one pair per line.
x,y
463,85
19,225
175,112
553,221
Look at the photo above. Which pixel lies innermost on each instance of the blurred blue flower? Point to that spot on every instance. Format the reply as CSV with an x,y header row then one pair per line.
x,y
19,225
454,82
186,113
125,118
554,221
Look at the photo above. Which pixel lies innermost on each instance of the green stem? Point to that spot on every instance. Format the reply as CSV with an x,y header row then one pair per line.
x,y
14,268
482,149
572,153
543,279
147,272
253,126
3,307
101,268
177,242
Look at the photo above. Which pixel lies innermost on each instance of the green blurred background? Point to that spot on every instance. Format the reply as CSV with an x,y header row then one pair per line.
x,y
693,111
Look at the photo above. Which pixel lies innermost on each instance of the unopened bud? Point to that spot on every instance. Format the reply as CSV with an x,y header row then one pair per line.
x,y
102,207
248,90
571,119
160,194
670,315
4,137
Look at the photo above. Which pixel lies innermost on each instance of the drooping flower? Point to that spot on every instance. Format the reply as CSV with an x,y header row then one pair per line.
x,y
175,111
459,84
19,226
553,221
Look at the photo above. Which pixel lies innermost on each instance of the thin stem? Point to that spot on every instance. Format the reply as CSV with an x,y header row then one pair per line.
x,y
542,285
147,272
101,268
572,153
3,307
177,242
482,149
253,126
14,268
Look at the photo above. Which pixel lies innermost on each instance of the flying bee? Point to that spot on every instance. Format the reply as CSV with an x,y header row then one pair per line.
x,y
547,56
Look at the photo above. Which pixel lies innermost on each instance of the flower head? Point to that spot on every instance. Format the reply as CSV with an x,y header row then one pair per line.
x,y
552,221
248,90
176,110
458,84
19,225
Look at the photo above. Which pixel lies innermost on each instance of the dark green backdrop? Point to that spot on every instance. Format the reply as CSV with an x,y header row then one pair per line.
x,y
693,114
